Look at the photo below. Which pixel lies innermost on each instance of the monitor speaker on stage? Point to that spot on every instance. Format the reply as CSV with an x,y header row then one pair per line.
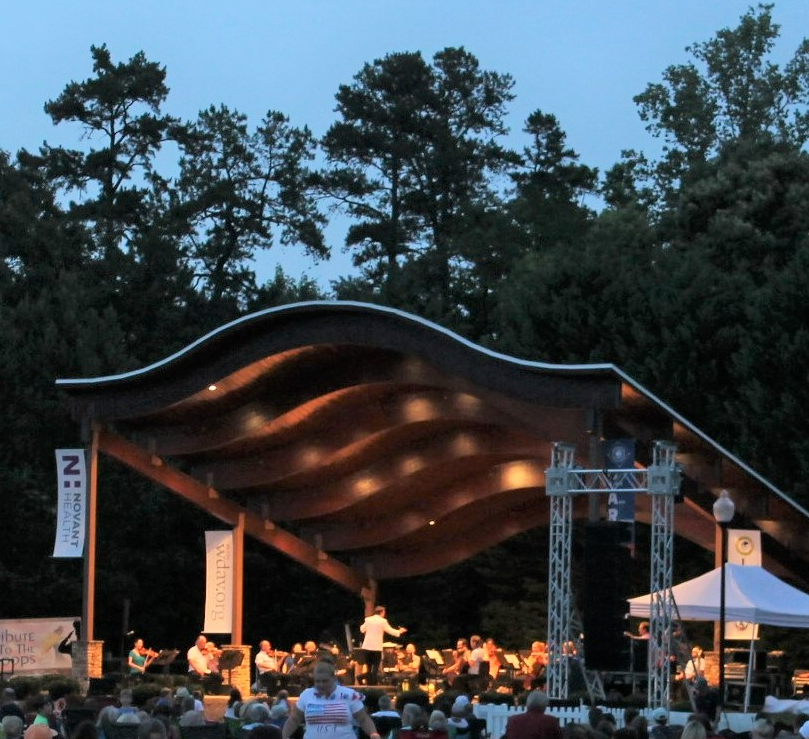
x,y
607,585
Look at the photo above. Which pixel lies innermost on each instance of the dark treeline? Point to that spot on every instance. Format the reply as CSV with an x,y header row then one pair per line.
x,y
691,277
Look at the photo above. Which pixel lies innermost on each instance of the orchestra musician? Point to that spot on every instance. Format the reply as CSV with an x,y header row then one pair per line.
x,y
267,658
268,663
408,663
459,664
140,658
494,659
212,655
198,665
536,664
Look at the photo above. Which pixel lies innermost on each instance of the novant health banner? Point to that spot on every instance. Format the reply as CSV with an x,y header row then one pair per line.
x,y
71,507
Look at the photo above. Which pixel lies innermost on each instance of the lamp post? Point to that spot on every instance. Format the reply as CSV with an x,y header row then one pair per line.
x,y
723,510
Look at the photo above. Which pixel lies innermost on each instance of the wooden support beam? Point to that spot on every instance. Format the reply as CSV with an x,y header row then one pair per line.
x,y
88,607
228,511
238,581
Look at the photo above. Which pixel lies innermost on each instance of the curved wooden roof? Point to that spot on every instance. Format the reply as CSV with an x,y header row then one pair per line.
x,y
370,444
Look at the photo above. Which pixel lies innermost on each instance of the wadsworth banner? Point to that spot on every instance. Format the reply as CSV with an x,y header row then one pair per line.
x,y
218,582
33,644
71,507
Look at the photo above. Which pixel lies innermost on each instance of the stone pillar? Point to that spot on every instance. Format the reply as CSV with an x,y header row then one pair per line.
x,y
88,661
241,676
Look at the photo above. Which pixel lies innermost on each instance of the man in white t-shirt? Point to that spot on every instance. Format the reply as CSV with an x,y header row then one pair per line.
x,y
197,659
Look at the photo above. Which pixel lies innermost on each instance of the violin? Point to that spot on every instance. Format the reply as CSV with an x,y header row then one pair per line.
x,y
146,652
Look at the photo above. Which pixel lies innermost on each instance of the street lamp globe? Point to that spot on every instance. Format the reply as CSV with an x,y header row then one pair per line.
x,y
723,508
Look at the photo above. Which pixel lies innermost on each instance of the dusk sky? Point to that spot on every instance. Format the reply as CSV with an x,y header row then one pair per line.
x,y
582,60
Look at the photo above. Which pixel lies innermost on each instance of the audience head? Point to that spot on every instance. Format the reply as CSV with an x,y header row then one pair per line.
x,y
412,715
125,697
43,704
606,727
629,714
437,721
384,702
693,730
256,713
265,731
39,731
536,700
152,729
107,716
762,729
640,726
12,727
279,711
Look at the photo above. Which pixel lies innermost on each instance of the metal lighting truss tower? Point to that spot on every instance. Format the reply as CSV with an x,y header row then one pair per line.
x,y
661,480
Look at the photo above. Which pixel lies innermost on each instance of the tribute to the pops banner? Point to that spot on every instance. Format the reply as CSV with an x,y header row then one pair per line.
x,y
71,509
219,582
33,644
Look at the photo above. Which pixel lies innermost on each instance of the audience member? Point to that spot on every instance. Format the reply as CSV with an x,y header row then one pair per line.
x,y
762,729
190,715
534,723
107,716
385,708
693,730
660,725
640,726
9,705
234,702
153,729
12,726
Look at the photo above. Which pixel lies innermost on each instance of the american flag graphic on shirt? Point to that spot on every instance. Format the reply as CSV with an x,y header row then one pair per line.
x,y
333,710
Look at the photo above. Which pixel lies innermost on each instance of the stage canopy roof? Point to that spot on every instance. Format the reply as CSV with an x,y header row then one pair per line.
x,y
369,444
752,595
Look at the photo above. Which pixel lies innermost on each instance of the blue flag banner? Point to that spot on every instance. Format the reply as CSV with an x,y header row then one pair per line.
x,y
620,454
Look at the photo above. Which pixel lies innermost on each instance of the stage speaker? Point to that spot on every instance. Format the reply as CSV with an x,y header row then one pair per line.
x,y
734,692
607,584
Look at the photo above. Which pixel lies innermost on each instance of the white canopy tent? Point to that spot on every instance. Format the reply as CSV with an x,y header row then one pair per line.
x,y
752,595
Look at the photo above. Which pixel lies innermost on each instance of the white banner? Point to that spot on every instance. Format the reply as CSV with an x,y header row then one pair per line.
x,y
71,508
218,582
33,644
741,630
744,547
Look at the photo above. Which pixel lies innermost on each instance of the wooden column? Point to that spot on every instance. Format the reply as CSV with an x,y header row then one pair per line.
x,y
88,606
238,584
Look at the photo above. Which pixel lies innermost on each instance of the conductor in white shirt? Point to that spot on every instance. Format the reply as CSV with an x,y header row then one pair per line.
x,y
375,627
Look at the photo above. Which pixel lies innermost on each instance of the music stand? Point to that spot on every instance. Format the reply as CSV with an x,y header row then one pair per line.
x,y
165,658
435,656
229,660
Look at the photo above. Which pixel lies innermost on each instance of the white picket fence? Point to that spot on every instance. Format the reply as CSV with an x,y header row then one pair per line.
x,y
497,715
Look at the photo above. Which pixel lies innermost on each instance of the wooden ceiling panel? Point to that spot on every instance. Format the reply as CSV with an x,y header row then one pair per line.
x,y
367,431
